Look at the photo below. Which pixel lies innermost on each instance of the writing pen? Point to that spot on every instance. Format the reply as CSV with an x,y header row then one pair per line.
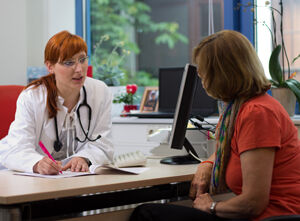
x,y
42,146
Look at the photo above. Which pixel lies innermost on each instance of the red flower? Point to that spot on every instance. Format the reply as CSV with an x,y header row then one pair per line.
x,y
128,97
131,88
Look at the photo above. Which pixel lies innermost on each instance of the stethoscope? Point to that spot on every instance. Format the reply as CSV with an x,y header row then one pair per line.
x,y
58,144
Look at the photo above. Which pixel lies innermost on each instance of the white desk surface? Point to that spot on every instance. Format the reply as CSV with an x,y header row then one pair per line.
x,y
136,120
20,189
296,119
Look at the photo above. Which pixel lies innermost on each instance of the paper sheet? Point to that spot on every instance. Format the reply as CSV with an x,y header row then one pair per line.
x,y
134,170
65,174
94,169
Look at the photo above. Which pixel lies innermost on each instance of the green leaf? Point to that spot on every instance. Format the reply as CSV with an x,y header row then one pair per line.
x,y
131,46
296,58
294,86
165,39
182,38
104,2
275,67
274,83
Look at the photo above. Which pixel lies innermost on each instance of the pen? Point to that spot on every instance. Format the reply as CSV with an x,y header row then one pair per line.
x,y
46,152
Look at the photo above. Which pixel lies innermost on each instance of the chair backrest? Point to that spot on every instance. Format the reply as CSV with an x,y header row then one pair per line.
x,y
8,98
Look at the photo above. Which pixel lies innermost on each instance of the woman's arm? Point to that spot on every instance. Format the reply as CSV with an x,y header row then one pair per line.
x,y
21,152
201,179
257,168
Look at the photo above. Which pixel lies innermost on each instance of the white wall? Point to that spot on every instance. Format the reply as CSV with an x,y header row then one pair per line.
x,y
26,27
13,42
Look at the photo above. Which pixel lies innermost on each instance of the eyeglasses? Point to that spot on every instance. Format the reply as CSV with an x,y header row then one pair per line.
x,y
72,63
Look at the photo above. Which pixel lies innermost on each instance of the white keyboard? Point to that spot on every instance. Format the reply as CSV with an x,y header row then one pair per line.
x,y
130,159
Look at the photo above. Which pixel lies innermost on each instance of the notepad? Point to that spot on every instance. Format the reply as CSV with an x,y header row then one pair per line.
x,y
64,174
97,169
132,162
94,169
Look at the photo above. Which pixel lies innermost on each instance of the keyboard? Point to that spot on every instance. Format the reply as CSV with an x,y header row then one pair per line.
x,y
130,159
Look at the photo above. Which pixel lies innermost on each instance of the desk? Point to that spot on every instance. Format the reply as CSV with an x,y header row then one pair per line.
x,y
296,120
132,133
35,198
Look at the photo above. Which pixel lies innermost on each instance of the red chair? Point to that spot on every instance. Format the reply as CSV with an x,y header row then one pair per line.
x,y
8,99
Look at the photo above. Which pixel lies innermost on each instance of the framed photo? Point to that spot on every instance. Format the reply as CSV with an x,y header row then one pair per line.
x,y
149,101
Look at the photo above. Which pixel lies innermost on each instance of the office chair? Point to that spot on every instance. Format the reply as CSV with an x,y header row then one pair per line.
x,y
283,218
8,98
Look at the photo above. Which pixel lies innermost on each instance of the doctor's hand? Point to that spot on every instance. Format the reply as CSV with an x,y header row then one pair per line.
x,y
47,166
201,180
77,164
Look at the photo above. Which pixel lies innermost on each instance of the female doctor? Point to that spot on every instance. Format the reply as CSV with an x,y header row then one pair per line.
x,y
68,112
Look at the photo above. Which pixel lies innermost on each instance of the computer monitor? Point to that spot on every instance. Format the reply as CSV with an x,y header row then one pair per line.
x,y
183,109
169,80
169,85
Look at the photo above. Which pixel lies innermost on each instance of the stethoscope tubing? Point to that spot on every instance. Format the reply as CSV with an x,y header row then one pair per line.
x,y
57,144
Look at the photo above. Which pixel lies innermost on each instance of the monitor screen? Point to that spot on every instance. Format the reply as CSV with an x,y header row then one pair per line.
x,y
178,140
169,85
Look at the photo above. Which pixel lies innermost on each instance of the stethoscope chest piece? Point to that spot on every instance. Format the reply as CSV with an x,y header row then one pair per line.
x,y
57,145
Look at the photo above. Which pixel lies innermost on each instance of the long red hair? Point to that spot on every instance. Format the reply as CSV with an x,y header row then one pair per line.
x,y
60,47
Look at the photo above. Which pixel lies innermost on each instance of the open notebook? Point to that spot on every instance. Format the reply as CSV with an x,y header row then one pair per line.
x,y
133,162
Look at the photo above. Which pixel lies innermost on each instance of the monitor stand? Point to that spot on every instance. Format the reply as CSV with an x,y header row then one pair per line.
x,y
181,160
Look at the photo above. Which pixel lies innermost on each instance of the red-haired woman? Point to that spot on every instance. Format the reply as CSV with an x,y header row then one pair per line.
x,y
68,112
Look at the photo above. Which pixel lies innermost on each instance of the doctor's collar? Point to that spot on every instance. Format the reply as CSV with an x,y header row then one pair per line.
x,y
61,100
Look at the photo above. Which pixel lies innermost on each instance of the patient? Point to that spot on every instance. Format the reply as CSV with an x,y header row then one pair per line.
x,y
258,151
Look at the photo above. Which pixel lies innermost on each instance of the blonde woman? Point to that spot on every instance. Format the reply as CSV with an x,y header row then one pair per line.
x,y
258,151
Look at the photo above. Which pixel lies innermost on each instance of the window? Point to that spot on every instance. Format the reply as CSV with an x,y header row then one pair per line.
x,y
192,17
263,37
291,32
132,40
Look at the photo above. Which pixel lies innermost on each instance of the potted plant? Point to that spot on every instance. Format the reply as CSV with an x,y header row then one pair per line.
x,y
286,91
284,88
127,98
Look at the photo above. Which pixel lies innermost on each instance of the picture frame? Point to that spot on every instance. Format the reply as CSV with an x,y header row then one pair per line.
x,y
149,101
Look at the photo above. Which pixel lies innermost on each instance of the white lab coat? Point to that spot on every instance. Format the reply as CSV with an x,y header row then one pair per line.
x,y
20,150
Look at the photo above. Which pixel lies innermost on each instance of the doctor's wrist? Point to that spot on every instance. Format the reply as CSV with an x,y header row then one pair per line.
x,y
34,168
89,163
